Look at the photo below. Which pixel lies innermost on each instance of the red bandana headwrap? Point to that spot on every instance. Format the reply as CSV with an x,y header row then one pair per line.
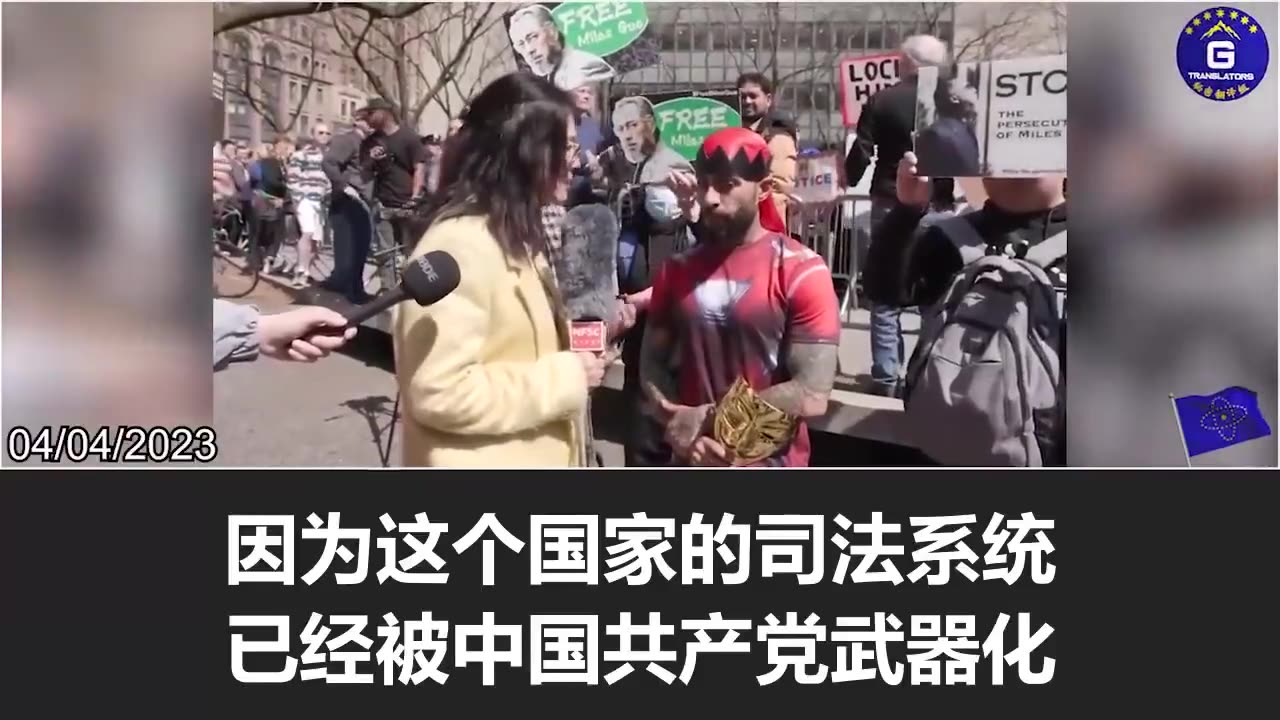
x,y
741,153
735,151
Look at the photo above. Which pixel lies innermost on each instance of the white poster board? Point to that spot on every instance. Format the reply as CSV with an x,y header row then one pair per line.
x,y
818,177
1005,118
860,78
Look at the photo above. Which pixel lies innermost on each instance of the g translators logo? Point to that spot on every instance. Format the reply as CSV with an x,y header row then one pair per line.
x,y
1223,54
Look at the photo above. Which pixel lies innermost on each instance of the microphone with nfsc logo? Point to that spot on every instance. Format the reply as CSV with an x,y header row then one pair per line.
x,y
586,269
426,280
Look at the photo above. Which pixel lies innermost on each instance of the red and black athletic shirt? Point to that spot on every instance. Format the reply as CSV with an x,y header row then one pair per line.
x,y
734,312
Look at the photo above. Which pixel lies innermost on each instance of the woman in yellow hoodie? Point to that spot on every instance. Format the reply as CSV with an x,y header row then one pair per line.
x,y
486,375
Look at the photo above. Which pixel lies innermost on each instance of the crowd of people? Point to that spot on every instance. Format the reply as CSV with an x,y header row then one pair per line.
x,y
361,184
719,304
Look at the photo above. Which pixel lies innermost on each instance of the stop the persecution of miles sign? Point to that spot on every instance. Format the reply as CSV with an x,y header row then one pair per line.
x,y
1005,118
862,77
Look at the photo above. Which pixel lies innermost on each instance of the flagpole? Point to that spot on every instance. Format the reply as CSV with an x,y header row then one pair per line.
x,y
1181,434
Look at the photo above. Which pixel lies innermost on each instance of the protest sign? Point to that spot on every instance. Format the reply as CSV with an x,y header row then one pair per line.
x,y
1005,118
818,177
581,43
683,120
862,77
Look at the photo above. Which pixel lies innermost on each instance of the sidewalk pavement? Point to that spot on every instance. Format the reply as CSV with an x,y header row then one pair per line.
x,y
850,412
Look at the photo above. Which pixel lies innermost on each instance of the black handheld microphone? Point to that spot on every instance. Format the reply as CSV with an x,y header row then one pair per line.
x,y
426,280
587,272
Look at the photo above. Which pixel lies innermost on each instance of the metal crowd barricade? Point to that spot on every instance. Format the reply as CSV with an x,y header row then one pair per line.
x,y
840,231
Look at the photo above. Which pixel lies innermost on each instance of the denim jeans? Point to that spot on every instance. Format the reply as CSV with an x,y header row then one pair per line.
x,y
352,234
887,346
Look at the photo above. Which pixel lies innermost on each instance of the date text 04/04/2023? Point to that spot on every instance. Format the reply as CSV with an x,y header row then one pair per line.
x,y
126,444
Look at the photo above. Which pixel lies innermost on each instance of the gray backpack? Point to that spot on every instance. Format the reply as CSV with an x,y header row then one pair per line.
x,y
984,386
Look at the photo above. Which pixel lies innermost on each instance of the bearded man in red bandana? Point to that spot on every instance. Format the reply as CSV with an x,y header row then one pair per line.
x,y
747,302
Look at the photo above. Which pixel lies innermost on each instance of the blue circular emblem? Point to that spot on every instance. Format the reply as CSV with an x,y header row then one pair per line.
x,y
1222,53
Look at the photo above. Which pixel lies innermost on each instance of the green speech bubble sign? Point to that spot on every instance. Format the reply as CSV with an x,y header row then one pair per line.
x,y
600,28
686,122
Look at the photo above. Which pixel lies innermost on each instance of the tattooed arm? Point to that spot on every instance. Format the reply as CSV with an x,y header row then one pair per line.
x,y
811,354
813,374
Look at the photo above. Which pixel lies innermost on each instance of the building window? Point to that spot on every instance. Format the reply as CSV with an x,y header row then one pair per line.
x,y
293,91
293,28
320,97
303,122
666,37
822,98
306,32
306,64
715,38
324,70
875,36
699,39
850,35
821,37
786,35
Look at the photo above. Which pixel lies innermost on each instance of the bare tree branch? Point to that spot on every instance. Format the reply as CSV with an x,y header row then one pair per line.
x,y
742,23
231,15
446,72
1007,34
491,58
406,80
354,48
260,101
306,89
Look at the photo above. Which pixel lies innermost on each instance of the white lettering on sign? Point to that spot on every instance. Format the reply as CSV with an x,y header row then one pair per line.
x,y
591,37
593,15
635,26
693,120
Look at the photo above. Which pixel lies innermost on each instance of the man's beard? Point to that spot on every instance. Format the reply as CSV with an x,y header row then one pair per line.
x,y
544,65
633,155
728,229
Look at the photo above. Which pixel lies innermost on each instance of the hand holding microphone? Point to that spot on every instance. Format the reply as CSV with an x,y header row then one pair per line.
x,y
594,366
305,334
426,280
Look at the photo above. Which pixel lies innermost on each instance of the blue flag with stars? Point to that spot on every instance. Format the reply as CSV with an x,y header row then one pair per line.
x,y
1226,418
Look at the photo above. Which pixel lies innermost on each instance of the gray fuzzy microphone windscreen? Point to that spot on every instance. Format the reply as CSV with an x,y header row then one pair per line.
x,y
586,266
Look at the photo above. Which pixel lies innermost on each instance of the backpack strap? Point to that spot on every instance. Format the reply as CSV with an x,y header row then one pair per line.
x,y
964,238
1048,252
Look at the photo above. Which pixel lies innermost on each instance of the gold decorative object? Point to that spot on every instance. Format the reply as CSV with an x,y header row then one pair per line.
x,y
749,428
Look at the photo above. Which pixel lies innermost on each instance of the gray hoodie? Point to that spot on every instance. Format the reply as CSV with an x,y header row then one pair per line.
x,y
235,329
342,165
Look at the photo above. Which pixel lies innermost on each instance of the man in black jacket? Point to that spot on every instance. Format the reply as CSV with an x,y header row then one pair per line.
x,y
886,124
349,215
